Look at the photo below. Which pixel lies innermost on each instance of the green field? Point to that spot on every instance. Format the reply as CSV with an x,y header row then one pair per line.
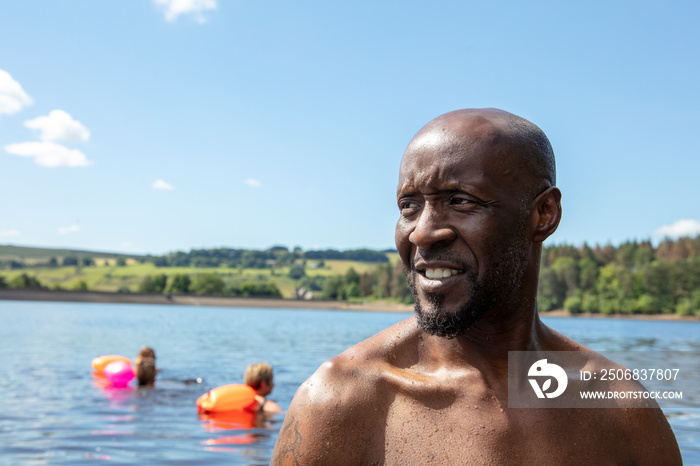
x,y
109,277
111,272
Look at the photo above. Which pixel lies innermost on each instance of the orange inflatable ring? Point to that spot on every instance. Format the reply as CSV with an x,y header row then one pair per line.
x,y
227,420
231,397
100,362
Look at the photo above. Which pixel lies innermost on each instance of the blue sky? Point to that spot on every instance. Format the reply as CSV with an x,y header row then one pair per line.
x,y
152,126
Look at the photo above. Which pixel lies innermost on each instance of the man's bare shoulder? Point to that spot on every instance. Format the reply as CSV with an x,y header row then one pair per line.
x,y
394,345
638,424
551,340
355,376
336,416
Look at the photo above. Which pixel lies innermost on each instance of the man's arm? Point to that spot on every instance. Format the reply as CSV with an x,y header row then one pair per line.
x,y
644,431
288,449
650,439
332,419
302,438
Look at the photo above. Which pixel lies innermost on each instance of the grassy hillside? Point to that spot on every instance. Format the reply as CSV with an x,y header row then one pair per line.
x,y
106,276
72,269
37,255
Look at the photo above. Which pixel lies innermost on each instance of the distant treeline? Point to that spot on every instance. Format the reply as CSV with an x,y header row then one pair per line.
x,y
278,256
633,278
85,261
201,284
386,281
205,284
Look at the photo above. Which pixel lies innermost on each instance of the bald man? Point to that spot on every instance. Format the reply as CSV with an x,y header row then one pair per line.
x,y
477,196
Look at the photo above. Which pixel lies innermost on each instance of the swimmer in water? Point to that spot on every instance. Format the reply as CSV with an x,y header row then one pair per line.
x,y
145,365
259,377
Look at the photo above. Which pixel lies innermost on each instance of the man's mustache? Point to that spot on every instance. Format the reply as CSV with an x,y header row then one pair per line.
x,y
438,254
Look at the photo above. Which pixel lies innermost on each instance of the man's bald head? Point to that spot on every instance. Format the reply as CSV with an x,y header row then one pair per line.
x,y
476,198
505,136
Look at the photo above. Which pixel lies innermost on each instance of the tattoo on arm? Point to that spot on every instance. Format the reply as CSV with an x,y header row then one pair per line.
x,y
289,444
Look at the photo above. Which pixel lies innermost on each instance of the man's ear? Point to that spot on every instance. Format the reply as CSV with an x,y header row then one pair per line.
x,y
547,213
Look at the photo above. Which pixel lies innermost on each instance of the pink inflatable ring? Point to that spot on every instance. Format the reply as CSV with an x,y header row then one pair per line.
x,y
119,373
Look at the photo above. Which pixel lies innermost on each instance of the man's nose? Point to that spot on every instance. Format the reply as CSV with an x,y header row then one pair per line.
x,y
431,228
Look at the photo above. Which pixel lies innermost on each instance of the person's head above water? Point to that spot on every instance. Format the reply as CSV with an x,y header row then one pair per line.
x,y
477,197
145,365
259,377
147,352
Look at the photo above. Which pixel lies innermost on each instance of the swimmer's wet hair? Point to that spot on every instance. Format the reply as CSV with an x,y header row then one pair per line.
x,y
258,373
147,352
145,366
145,370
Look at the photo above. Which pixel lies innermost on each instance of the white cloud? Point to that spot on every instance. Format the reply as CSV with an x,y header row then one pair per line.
x,y
59,126
680,228
175,8
49,154
69,229
12,96
8,233
252,183
160,184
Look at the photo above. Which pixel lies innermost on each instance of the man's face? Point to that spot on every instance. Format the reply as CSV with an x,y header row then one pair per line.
x,y
462,229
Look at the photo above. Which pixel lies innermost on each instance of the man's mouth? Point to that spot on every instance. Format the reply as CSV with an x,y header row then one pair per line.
x,y
438,273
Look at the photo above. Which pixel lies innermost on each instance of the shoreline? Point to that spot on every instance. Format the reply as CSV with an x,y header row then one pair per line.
x,y
276,303
588,315
191,300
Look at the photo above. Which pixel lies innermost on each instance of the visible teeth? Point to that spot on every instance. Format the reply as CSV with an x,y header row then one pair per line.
x,y
440,273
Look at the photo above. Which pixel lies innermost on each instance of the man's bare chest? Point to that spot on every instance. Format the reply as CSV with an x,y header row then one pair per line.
x,y
483,432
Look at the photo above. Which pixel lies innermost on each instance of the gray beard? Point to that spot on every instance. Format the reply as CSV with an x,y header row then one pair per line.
x,y
484,296
451,325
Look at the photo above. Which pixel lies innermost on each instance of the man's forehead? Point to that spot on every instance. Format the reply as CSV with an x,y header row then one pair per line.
x,y
463,143
444,173
450,146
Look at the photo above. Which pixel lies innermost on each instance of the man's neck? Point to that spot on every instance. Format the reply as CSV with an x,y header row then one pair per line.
x,y
486,344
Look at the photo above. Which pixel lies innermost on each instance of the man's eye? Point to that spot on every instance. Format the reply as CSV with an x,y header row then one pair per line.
x,y
460,201
408,205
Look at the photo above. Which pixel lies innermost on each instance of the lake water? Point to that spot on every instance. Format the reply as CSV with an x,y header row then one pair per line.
x,y
55,412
